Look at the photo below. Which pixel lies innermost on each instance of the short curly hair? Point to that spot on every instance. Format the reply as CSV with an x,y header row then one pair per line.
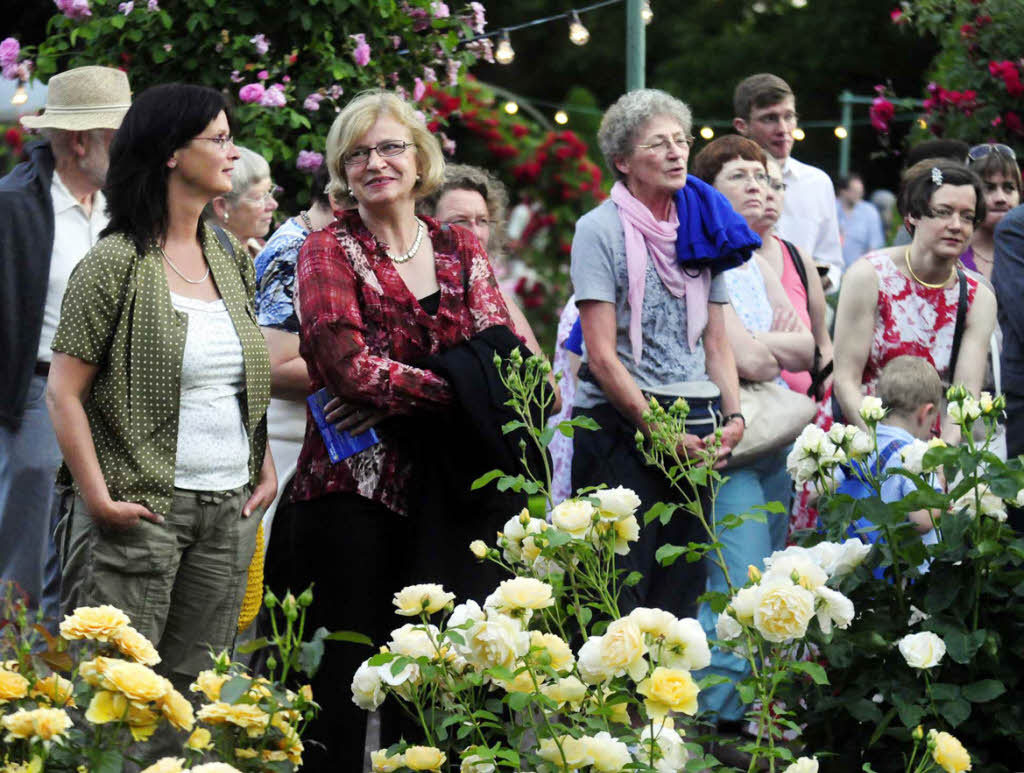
x,y
357,118
623,121
465,177
918,187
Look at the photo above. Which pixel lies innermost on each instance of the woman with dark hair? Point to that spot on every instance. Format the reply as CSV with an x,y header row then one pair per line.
x,y
996,165
158,390
915,299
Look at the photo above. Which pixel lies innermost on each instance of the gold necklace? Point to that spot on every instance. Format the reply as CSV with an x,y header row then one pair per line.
x,y
916,278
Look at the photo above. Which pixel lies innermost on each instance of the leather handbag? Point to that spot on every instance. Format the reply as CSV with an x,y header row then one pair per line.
x,y
774,416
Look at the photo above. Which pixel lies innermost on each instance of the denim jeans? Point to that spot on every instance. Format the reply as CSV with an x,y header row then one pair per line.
x,y
29,459
763,480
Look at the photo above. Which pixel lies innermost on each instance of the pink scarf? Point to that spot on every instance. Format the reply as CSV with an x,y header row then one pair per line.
x,y
644,234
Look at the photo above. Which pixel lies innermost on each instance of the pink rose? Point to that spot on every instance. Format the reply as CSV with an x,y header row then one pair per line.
x,y
252,92
263,75
261,43
9,50
309,161
439,10
429,76
273,96
419,89
479,21
126,8
312,102
361,54
152,5
74,9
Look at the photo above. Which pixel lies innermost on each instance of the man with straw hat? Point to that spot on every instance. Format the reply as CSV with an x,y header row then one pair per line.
x,y
51,213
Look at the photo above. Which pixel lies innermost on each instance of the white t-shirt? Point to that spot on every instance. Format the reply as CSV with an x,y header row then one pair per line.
x,y
213,448
808,218
74,233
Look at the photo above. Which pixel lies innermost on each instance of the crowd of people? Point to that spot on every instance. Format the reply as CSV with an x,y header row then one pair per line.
x,y
166,351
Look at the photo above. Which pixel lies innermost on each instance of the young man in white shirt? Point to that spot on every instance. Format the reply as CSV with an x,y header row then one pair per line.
x,y
765,110
51,213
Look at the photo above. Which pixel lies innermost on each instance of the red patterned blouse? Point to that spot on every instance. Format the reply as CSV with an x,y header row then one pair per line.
x,y
360,327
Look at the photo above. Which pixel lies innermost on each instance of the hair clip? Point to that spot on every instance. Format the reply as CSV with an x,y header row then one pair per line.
x,y
936,176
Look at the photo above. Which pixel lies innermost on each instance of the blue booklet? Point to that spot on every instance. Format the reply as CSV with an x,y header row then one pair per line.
x,y
340,445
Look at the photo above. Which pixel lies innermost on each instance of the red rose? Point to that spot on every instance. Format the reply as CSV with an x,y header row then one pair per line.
x,y
14,137
433,126
896,14
1013,122
881,113
967,31
518,130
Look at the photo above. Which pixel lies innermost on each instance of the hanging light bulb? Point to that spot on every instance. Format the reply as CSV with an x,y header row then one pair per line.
x,y
707,132
578,34
561,118
840,132
511,107
20,95
505,53
798,134
646,13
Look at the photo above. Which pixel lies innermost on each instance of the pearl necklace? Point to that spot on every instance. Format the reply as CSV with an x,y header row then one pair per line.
x,y
405,257
916,278
176,271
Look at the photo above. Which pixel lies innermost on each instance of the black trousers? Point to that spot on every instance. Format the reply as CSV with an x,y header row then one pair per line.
x,y
1015,447
610,456
355,551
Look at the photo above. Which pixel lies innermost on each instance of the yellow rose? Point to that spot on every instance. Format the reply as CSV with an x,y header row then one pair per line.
x,y
569,690
19,724
98,623
558,652
106,706
522,593
55,689
44,724
382,763
523,682
610,755
209,682
656,622
424,758
247,754
627,530
573,516
623,649
783,611
573,750
616,504
948,752
12,686
428,597
200,740
136,646
215,767
93,672
478,548
138,683
166,765
177,710
245,715
669,689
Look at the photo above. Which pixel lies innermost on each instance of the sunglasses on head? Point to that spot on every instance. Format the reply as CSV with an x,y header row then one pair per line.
x,y
979,152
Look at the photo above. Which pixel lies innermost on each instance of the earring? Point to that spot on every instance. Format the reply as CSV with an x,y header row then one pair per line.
x,y
419,179
226,217
172,163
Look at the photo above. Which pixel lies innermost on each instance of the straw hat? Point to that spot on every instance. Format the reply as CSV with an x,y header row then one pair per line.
x,y
84,98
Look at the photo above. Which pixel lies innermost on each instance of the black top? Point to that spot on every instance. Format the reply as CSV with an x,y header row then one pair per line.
x,y
431,303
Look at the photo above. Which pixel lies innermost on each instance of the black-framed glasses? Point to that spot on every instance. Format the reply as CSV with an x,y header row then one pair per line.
x,y
384,149
221,141
979,152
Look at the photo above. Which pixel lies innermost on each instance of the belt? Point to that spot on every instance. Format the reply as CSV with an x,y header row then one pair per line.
x,y
42,368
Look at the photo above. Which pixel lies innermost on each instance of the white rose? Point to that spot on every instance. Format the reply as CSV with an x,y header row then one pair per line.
x,y
912,456
655,622
616,503
783,611
685,646
744,604
837,433
478,548
428,597
803,765
367,688
517,535
986,403
573,751
811,439
497,641
800,568
626,530
592,667
466,612
476,764
871,409
860,445
610,755
838,559
522,593
981,500
559,653
727,629
414,641
573,516
568,690
623,649
922,650
1019,501
833,608
670,755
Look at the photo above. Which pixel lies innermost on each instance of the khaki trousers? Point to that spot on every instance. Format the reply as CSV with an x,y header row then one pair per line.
x,y
181,582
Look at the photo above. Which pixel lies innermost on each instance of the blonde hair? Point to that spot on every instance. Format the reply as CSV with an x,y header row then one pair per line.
x,y
357,118
906,383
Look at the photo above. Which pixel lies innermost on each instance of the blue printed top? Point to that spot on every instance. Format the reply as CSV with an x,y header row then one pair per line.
x,y
275,277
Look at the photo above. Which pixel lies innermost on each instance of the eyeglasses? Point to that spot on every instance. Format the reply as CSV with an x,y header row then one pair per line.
x,y
979,152
384,150
467,222
739,177
264,199
776,185
770,119
681,140
946,213
221,140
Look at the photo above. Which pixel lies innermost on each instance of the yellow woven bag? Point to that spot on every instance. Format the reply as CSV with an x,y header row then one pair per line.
x,y
253,585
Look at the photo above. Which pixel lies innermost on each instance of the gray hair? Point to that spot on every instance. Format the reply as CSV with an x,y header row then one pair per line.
x,y
60,139
250,168
630,113
464,177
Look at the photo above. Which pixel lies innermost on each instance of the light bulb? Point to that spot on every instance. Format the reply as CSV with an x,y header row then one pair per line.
x,y
561,118
707,132
840,132
578,34
646,13
511,107
20,95
505,53
798,134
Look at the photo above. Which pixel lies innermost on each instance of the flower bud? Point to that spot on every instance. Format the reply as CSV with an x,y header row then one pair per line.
x,y
222,662
639,438
753,574
497,360
956,393
478,548
290,607
545,367
269,599
918,733
271,662
306,691
524,516
306,597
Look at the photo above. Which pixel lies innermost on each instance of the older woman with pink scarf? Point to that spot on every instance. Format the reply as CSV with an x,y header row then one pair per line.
x,y
649,327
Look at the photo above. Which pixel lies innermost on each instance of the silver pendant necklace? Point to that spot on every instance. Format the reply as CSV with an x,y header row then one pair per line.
x,y
405,257
176,271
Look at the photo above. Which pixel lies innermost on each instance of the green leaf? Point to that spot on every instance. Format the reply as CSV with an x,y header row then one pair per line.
x,y
944,692
656,510
252,646
864,710
486,478
518,701
118,21
632,579
512,426
813,670
107,761
235,688
349,636
713,680
310,655
983,691
961,646
955,711
666,555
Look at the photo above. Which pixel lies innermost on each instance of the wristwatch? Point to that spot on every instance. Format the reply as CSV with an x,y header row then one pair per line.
x,y
730,416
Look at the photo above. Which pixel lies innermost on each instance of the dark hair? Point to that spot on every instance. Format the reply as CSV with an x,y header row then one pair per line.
x,y
318,190
844,181
161,120
954,150
996,163
761,90
713,156
919,184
